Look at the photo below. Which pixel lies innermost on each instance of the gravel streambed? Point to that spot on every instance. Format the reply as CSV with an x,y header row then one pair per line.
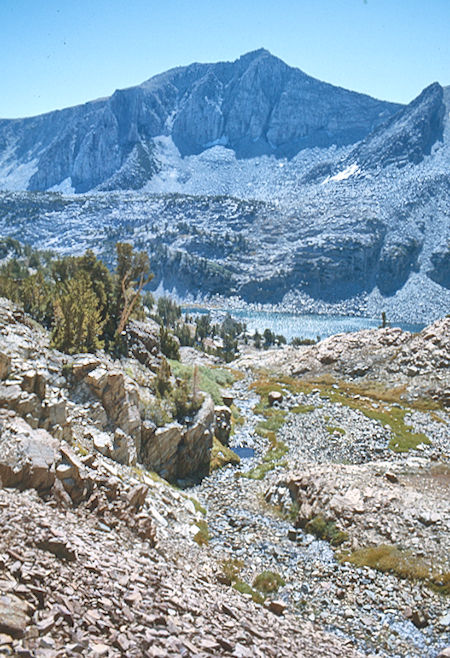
x,y
374,611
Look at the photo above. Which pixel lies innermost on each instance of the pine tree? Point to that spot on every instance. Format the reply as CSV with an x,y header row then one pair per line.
x,y
77,318
36,297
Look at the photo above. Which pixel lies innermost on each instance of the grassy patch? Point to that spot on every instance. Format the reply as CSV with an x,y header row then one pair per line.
x,y
292,512
264,385
198,506
244,588
221,456
231,569
274,419
84,452
361,397
270,461
236,418
331,429
437,418
211,380
404,564
202,537
272,457
230,572
142,473
392,417
268,582
326,530
302,409
404,438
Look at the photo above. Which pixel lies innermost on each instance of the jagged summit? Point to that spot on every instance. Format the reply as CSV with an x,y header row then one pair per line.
x,y
255,54
255,105
349,210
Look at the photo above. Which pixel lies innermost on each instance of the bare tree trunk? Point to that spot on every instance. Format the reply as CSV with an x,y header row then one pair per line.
x,y
129,302
195,383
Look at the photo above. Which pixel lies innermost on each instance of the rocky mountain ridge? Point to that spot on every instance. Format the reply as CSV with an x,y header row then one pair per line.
x,y
254,105
336,225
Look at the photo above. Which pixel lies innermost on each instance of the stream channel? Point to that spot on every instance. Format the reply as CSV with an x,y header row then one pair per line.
x,y
361,605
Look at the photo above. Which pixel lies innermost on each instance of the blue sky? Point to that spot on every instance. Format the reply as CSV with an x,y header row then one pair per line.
x,y
60,53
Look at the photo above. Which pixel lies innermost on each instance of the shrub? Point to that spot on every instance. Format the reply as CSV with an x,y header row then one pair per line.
x,y
156,413
326,530
268,582
231,568
184,403
202,537
297,341
162,382
244,588
169,344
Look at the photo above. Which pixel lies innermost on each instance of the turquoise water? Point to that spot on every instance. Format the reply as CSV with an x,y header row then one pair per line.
x,y
291,325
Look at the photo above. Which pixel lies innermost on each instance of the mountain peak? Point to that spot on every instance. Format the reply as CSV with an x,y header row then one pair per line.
x,y
255,54
255,105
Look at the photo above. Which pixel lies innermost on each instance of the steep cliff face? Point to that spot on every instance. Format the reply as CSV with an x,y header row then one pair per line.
x,y
255,105
440,266
408,136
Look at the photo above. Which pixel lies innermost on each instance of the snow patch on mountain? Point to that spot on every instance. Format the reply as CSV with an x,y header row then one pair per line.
x,y
65,187
18,177
15,175
351,170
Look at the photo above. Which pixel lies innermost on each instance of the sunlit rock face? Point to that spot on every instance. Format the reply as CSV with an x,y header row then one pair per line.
x,y
255,105
247,179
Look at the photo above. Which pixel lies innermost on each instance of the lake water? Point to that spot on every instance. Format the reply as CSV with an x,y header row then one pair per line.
x,y
291,325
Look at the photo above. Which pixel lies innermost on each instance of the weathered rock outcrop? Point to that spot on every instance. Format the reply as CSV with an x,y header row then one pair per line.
x,y
419,362
90,399
379,503
27,456
143,343
160,448
178,452
119,396
223,423
196,443
440,266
